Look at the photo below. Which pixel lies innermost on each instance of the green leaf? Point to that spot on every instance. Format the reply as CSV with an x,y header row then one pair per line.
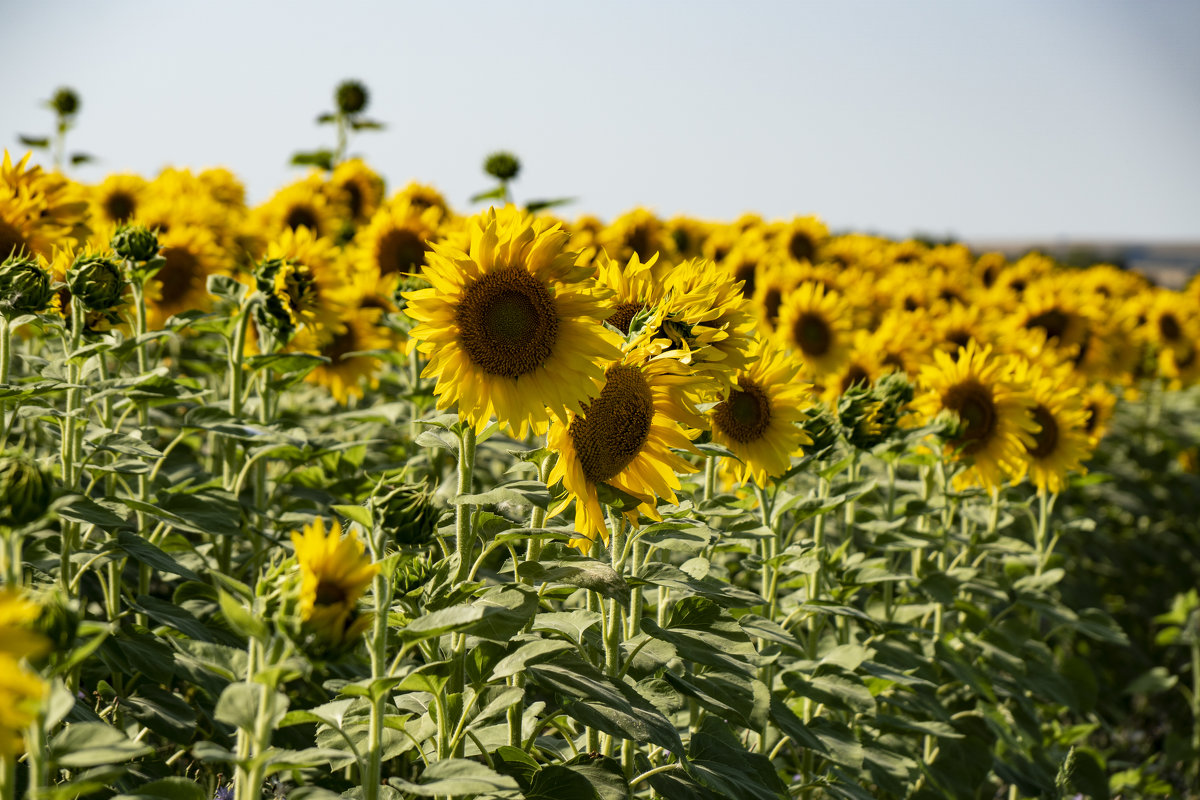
x,y
162,712
660,574
315,158
533,206
93,744
145,553
580,571
173,616
492,194
554,782
172,788
359,514
40,142
226,288
521,493
455,776
240,617
530,652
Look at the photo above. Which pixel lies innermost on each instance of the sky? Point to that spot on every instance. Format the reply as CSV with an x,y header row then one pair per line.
x,y
1069,119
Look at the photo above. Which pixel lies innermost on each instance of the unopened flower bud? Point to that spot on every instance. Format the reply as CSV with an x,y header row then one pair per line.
x,y
351,97
502,166
135,243
65,101
25,490
410,514
24,286
97,282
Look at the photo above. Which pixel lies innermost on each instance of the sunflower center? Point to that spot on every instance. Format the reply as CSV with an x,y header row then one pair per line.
x,y
354,198
976,408
854,376
1045,440
330,593
1169,326
771,303
400,250
640,241
746,415
1053,322
613,427
623,316
341,344
507,322
301,217
119,206
746,273
1186,359
801,247
11,241
1093,417
1018,286
176,275
812,335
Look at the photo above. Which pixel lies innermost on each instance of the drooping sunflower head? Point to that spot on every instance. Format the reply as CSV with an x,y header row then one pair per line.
x,y
816,326
511,328
622,439
759,420
996,423
334,573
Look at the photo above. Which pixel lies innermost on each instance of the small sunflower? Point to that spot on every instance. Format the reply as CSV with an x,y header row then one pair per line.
x,y
995,414
334,573
1061,443
801,239
816,326
423,197
394,245
509,328
191,254
638,232
357,188
1098,404
303,204
117,198
759,420
345,343
624,439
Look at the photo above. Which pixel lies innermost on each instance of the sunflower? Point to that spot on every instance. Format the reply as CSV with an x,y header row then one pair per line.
x,y
393,245
638,232
801,239
996,419
357,188
689,235
38,210
334,573
861,367
191,254
117,198
1098,404
758,421
816,326
345,343
302,204
421,197
703,321
1060,444
509,328
311,285
901,340
623,439
772,285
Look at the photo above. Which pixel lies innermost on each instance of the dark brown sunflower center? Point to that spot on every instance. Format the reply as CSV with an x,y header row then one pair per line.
x,y
801,246
400,250
301,289
354,198
1046,440
176,276
772,300
976,408
1018,286
301,217
854,376
623,316
958,338
615,425
341,344
746,415
330,593
1092,411
119,206
641,241
812,334
1169,327
1053,322
989,277
507,322
746,273
11,241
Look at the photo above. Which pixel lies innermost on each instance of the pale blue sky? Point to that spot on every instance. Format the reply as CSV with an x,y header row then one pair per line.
x,y
981,119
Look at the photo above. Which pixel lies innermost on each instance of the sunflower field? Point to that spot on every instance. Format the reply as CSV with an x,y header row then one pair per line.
x,y
355,494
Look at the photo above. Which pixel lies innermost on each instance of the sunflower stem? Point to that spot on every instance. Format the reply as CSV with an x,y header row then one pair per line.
x,y
236,359
710,477
68,446
464,543
379,648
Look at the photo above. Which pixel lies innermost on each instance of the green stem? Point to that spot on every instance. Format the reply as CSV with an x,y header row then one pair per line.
x,y
710,477
8,777
464,543
5,364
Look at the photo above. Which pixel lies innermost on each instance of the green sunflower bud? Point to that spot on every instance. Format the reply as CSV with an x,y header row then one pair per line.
x,y
410,514
412,572
286,289
135,243
25,490
59,620
351,97
502,166
65,101
821,428
97,281
859,416
24,287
